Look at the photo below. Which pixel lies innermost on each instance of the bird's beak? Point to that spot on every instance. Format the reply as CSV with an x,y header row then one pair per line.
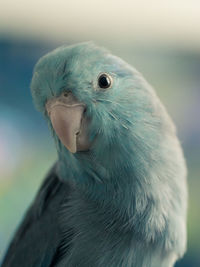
x,y
69,122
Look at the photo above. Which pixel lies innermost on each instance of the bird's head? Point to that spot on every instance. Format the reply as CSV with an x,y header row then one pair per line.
x,y
104,116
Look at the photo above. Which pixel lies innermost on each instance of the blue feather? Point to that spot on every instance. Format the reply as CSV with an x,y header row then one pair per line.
x,y
129,199
131,204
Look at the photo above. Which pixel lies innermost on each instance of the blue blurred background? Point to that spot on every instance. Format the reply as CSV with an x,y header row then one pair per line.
x,y
161,39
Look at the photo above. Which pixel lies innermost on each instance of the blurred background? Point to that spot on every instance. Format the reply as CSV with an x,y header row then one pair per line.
x,y
160,38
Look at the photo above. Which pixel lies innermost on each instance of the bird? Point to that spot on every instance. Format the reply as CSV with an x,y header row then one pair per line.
x,y
117,194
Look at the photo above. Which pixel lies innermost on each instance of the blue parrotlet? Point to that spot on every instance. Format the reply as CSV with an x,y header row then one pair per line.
x,y
117,195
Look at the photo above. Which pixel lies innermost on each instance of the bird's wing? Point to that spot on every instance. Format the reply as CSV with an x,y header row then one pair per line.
x,y
37,241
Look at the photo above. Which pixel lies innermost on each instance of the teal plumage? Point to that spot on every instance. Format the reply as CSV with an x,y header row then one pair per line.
x,y
127,202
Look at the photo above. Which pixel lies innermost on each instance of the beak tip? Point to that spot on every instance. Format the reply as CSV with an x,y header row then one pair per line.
x,y
71,147
73,151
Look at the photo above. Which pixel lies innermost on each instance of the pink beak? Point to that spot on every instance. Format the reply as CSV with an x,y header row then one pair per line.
x,y
66,115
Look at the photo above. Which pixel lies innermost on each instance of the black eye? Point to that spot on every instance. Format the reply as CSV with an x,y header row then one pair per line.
x,y
104,81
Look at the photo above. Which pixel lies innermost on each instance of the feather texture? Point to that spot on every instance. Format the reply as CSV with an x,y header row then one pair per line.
x,y
127,202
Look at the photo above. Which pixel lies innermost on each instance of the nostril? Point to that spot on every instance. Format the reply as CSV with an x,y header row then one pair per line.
x,y
66,94
77,133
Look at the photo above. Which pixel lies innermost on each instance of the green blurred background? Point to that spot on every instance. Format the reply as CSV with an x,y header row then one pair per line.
x,y
161,39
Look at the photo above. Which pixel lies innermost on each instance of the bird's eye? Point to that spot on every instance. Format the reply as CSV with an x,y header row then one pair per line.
x,y
104,81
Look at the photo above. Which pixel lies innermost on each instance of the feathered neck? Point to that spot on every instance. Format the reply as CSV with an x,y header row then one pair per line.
x,y
108,177
129,183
